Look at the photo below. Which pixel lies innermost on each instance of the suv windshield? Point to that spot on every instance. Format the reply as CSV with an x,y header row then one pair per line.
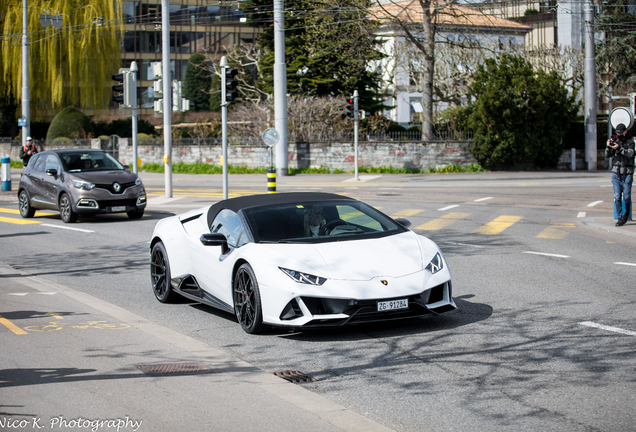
x,y
89,161
319,222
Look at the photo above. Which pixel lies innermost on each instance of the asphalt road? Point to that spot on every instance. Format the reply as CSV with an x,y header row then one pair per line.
x,y
544,338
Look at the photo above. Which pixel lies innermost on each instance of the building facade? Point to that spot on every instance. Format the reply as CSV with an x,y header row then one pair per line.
x,y
196,26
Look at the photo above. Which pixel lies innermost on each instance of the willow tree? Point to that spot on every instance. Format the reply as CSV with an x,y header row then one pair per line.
x,y
69,66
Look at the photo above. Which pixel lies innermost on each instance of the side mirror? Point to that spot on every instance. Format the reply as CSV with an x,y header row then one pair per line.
x,y
52,172
215,239
404,222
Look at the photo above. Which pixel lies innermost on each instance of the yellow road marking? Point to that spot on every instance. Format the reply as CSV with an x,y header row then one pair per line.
x,y
18,221
497,225
14,328
442,222
55,315
406,213
553,233
14,211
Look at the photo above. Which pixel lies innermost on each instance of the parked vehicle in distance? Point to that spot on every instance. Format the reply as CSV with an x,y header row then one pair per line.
x,y
79,182
299,260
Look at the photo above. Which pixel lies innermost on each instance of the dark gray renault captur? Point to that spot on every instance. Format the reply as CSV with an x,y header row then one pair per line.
x,y
80,182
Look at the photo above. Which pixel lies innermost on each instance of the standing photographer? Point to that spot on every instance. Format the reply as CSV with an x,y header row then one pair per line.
x,y
621,149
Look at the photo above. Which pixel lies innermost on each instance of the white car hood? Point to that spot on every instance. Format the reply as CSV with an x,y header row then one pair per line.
x,y
392,256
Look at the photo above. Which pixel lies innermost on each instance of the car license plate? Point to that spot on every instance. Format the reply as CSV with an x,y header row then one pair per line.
x,y
118,209
393,305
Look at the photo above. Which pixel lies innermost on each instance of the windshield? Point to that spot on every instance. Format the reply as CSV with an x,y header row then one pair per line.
x,y
90,161
319,222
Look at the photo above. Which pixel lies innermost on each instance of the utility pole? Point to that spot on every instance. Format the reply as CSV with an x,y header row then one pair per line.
x,y
133,91
26,102
590,88
224,103
280,87
167,95
356,96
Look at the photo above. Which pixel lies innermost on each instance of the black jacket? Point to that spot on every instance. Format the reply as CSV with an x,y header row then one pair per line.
x,y
623,156
23,153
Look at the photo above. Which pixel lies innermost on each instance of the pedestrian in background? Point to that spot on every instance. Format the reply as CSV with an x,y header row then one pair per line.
x,y
621,149
28,150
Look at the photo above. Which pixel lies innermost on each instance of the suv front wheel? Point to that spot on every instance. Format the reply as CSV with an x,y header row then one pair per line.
x,y
66,210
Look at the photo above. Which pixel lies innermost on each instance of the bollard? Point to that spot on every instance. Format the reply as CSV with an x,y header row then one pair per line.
x,y
6,174
271,180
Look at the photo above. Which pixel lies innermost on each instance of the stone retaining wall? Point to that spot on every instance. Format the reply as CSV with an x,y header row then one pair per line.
x,y
332,155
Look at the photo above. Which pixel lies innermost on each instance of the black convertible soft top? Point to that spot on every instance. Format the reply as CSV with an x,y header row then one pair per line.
x,y
265,200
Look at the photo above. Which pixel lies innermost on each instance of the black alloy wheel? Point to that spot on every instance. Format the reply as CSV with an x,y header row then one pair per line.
x,y
160,274
66,210
26,211
247,300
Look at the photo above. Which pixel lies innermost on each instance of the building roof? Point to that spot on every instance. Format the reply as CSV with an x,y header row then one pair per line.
x,y
446,15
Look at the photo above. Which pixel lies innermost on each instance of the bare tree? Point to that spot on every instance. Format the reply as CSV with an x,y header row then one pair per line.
x,y
418,22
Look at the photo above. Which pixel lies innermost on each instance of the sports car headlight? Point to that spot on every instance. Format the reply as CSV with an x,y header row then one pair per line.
x,y
436,264
80,184
304,278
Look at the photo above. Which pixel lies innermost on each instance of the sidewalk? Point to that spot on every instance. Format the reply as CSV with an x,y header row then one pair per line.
x,y
71,361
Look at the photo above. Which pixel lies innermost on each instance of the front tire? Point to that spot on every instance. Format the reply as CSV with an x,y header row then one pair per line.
x,y
26,211
247,300
66,209
160,274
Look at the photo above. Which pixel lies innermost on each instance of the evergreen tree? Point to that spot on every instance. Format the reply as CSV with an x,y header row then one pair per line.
x,y
329,46
616,54
197,83
519,116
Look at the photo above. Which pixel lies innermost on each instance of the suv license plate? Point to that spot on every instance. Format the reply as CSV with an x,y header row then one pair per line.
x,y
118,209
393,305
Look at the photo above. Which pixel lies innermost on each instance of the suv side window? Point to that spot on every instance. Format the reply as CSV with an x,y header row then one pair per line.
x,y
52,163
230,225
38,164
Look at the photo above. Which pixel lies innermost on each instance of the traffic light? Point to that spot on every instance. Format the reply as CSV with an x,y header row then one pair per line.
x,y
124,90
350,110
231,94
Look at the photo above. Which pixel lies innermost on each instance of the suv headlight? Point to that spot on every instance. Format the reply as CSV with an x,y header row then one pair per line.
x,y
138,182
81,184
303,278
436,264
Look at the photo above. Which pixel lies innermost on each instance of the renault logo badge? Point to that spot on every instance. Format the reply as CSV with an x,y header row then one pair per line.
x,y
384,282
117,187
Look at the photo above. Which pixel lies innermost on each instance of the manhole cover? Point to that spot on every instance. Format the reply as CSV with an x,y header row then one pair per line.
x,y
294,376
175,369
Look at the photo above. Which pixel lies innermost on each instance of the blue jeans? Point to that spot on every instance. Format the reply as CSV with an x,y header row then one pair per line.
x,y
622,191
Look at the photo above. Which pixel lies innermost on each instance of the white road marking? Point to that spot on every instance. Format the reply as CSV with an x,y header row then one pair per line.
x,y
608,328
624,263
67,228
47,293
581,215
448,208
594,203
465,244
547,254
483,199
19,294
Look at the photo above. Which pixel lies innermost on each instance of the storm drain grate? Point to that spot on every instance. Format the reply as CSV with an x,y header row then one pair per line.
x,y
175,369
294,376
